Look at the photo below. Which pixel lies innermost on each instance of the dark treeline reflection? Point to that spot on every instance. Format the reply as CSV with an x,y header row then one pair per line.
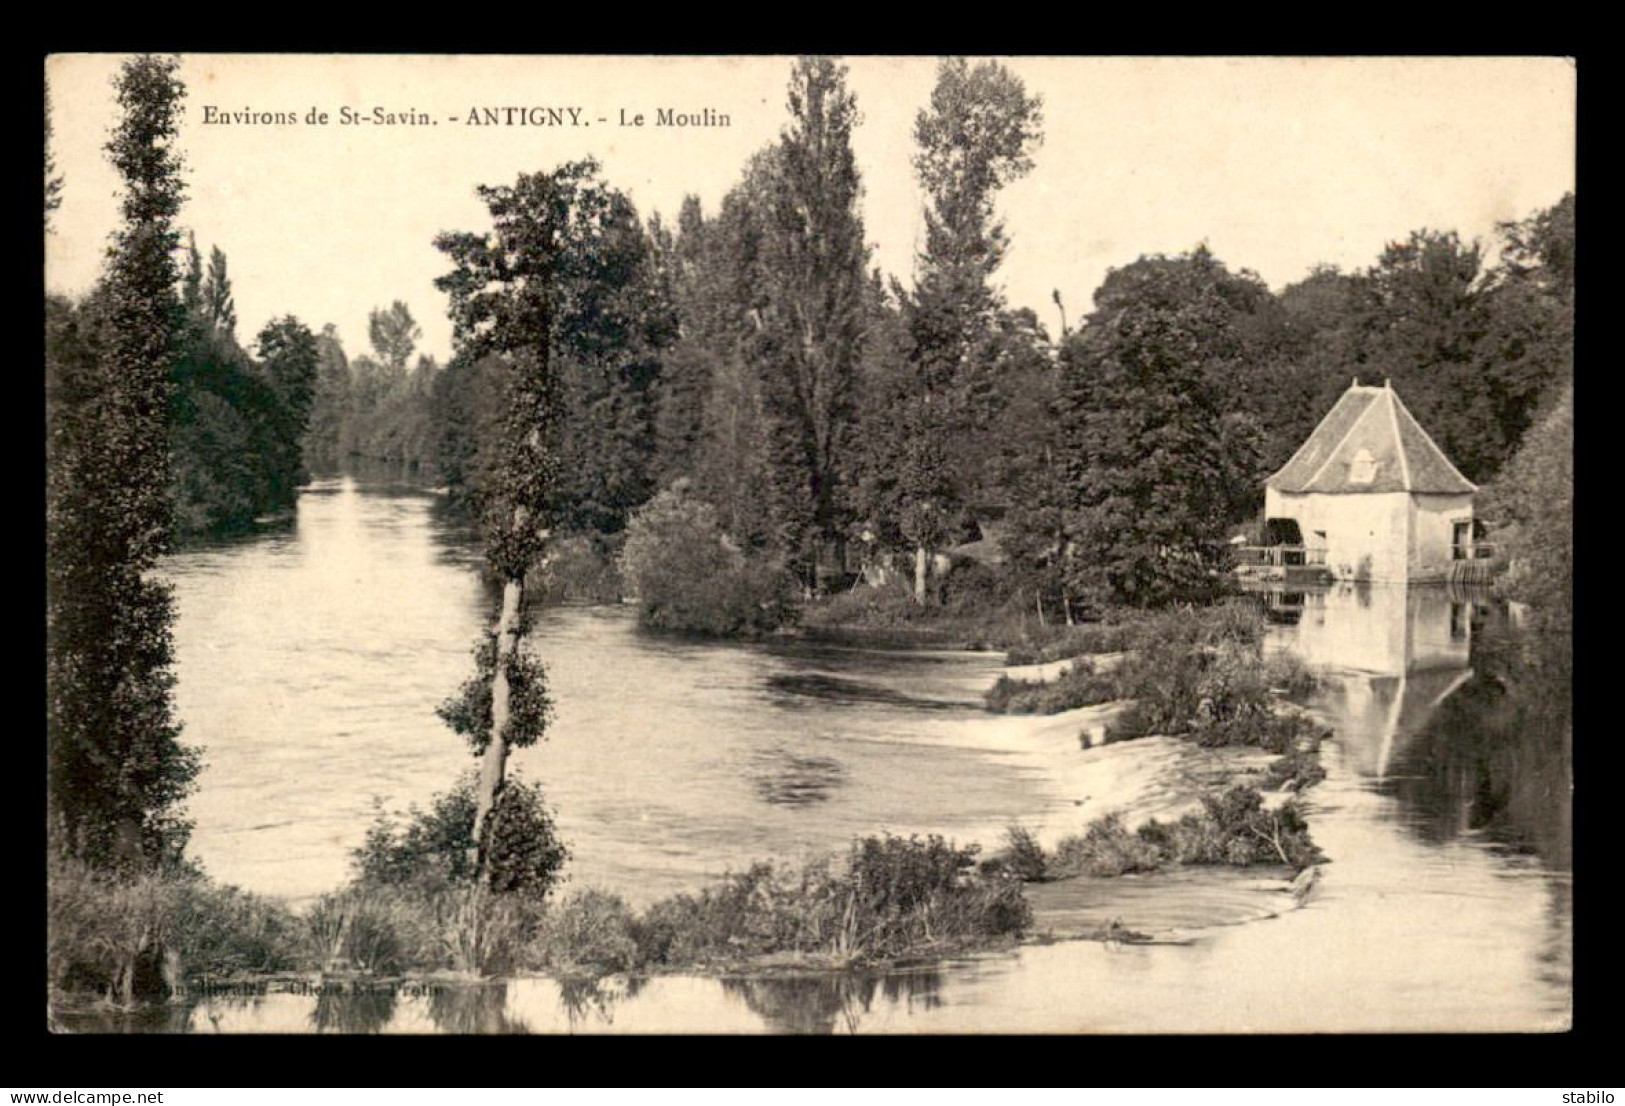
x,y
361,1009
480,1008
1495,758
823,1004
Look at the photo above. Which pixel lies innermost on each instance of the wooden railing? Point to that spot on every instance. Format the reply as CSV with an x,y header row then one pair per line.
x,y
1278,556
1473,551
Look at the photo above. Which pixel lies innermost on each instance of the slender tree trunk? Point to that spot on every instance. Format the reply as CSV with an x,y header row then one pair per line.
x,y
494,763
919,574
1038,594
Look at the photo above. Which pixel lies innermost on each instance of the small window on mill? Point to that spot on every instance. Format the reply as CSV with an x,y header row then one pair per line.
x,y
1363,469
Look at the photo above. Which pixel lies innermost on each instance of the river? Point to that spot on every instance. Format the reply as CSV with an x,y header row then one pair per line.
x,y
311,658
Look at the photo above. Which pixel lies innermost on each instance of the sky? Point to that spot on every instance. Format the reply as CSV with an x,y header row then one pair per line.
x,y
1277,164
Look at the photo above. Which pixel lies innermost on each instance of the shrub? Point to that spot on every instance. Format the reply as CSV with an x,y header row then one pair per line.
x,y
1079,686
134,935
357,929
1232,827
526,855
580,568
481,931
591,932
689,577
1298,768
1106,848
221,930
1075,641
109,933
970,585
1183,670
1274,733
1024,857
889,897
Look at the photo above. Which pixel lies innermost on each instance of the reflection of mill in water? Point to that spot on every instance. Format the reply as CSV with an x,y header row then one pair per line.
x,y
1386,657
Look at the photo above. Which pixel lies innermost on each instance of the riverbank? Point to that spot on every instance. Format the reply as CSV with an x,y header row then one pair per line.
x,y
890,901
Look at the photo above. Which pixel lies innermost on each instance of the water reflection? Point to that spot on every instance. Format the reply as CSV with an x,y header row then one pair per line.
x,y
311,660
1453,710
1495,758
478,1008
833,1003
355,1009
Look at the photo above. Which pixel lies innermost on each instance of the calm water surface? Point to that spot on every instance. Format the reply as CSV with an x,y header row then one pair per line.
x,y
311,660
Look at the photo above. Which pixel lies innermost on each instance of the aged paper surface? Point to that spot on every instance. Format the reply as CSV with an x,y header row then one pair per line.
x,y
311,682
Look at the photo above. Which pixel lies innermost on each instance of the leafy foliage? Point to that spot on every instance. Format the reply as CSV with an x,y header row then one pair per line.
x,y
812,260
1533,501
530,707
1154,486
433,846
688,576
1233,827
117,768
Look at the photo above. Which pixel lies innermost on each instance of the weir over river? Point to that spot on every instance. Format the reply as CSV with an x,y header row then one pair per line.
x,y
311,658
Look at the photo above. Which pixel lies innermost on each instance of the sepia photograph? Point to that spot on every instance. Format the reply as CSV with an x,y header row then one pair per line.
x,y
770,544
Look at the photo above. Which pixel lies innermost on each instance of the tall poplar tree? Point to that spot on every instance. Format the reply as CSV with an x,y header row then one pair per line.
x,y
976,136
117,769
813,263
510,299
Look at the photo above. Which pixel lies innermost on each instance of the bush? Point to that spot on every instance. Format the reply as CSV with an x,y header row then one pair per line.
x,y
689,577
134,935
1075,641
360,929
1183,670
591,933
481,931
890,897
1106,849
1232,827
1078,686
526,855
580,568
1024,857
223,930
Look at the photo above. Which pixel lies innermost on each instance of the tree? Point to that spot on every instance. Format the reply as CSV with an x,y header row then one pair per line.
x,y
813,264
610,348
394,335
509,291
976,136
330,408
218,304
117,769
53,179
1145,449
1532,505
713,424
288,361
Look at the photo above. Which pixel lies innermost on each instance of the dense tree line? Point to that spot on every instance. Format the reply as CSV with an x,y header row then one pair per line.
x,y
379,406
237,417
824,416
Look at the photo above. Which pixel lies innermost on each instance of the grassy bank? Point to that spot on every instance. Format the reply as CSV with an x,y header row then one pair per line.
x,y
887,899
1235,827
1197,672
968,609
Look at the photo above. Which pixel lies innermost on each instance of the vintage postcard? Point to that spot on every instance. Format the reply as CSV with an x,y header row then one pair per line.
x,y
775,544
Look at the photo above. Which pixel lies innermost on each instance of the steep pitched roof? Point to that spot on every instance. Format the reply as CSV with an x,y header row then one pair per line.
x,y
1369,442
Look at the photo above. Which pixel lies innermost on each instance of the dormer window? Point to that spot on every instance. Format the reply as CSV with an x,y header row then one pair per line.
x,y
1363,469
